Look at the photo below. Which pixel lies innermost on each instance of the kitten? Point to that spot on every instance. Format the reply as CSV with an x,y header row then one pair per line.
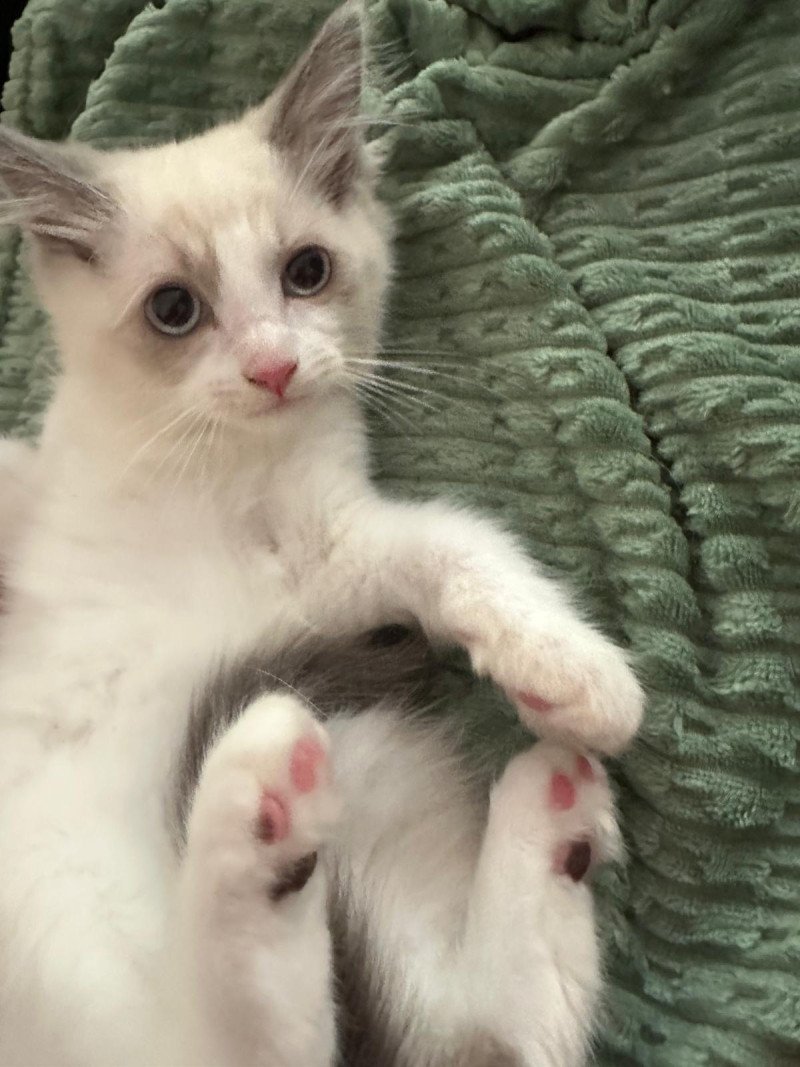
x,y
203,508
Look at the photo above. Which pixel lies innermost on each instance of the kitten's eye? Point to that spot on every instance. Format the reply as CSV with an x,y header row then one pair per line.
x,y
307,273
172,310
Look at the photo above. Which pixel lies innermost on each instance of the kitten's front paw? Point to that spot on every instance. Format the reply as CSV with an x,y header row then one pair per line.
x,y
567,682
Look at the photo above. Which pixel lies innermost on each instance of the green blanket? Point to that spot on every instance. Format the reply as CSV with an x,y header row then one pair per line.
x,y
598,205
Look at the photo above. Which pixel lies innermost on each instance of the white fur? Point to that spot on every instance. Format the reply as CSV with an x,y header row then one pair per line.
x,y
183,515
227,925
18,489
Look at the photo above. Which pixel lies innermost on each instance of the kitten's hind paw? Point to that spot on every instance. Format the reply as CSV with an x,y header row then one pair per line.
x,y
559,802
265,802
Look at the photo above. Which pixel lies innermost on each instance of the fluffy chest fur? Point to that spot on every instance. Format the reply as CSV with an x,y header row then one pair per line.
x,y
129,586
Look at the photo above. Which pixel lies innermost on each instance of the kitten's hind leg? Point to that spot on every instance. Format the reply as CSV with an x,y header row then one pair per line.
x,y
18,485
473,941
255,938
530,935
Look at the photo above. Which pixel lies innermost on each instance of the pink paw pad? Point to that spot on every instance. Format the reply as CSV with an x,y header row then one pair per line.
x,y
535,703
585,769
562,793
273,819
307,757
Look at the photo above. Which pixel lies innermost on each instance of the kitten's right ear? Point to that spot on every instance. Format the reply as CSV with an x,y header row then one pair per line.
x,y
312,116
50,191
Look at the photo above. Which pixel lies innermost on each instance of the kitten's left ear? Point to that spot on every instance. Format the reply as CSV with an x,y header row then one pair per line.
x,y
312,116
51,192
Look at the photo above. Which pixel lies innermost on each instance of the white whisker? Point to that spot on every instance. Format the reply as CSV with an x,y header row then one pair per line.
x,y
371,400
400,367
143,449
387,391
177,444
190,451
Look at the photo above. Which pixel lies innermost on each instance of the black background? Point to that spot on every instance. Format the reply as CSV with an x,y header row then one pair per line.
x,y
10,10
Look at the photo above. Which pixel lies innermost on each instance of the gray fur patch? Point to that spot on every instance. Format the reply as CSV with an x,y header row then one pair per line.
x,y
366,1038
369,1033
331,676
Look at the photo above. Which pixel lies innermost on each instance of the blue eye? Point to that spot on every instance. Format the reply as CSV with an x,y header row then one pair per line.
x,y
172,310
307,273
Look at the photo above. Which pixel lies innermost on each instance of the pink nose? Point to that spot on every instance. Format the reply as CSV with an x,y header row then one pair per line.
x,y
273,376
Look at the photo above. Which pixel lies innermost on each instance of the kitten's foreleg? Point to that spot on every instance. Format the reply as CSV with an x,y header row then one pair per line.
x,y
470,583
256,947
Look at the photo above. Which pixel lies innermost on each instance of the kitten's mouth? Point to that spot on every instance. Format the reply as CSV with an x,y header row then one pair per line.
x,y
250,408
278,404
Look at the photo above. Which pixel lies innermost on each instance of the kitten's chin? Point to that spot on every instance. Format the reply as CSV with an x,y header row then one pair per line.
x,y
254,412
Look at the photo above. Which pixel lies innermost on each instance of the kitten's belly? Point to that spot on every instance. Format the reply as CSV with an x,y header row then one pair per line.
x,y
96,681
116,665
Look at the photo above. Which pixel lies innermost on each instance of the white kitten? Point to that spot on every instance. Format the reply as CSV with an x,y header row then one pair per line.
x,y
203,492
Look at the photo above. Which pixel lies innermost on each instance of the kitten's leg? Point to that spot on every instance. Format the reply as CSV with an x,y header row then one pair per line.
x,y
238,975
530,935
252,900
470,583
478,947
17,493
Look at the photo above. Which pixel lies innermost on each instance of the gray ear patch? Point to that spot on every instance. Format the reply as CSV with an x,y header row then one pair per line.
x,y
314,111
49,191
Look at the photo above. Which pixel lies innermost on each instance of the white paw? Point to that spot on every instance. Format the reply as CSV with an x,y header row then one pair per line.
x,y
559,801
265,800
566,680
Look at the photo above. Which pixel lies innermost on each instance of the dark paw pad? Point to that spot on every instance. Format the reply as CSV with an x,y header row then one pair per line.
x,y
292,878
578,860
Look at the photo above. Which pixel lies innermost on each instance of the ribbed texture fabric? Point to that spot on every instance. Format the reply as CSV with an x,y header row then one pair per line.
x,y
598,209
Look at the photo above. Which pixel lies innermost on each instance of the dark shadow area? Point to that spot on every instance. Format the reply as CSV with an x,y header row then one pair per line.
x,y
10,10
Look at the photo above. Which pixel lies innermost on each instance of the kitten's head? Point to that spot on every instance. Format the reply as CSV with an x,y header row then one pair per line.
x,y
242,270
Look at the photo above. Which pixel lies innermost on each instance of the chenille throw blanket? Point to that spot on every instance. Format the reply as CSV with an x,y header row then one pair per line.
x,y
598,213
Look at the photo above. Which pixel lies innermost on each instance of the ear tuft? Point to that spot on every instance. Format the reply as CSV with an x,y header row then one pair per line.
x,y
313,114
49,190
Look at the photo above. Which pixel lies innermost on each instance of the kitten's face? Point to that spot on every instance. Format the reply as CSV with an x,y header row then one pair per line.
x,y
239,274
227,282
